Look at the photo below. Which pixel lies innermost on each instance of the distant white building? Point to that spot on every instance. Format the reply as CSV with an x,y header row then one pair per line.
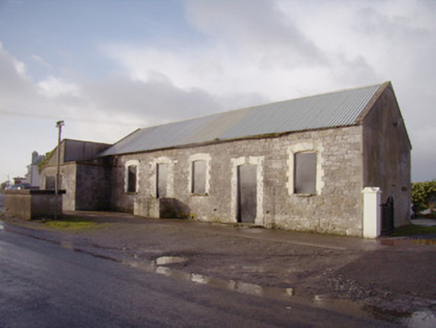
x,y
32,176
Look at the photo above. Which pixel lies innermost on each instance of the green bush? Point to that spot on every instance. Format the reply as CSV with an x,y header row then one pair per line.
x,y
421,194
45,160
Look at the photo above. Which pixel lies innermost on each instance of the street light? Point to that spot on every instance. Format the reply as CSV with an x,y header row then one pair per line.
x,y
59,125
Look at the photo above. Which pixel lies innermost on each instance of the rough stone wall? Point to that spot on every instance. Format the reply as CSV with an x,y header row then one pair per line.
x,y
18,204
335,208
93,187
45,205
32,204
47,172
68,178
87,185
386,154
121,200
67,182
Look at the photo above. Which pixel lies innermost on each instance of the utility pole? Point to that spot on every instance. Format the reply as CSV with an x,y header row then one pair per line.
x,y
59,125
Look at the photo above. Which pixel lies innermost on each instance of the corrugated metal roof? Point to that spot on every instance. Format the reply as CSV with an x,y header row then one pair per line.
x,y
328,110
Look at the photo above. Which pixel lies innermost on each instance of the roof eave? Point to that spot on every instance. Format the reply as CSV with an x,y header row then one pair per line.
x,y
219,141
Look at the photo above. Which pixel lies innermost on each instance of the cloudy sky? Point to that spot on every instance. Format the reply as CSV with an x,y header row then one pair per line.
x,y
107,67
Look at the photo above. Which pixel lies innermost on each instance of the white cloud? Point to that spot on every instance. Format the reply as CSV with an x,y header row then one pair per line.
x,y
252,52
255,47
284,49
259,30
20,67
53,87
40,61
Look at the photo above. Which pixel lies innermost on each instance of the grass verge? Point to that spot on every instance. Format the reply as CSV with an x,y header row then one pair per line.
x,y
72,223
413,230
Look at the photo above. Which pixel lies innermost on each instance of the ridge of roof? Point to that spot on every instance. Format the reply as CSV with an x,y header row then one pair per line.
x,y
255,106
326,110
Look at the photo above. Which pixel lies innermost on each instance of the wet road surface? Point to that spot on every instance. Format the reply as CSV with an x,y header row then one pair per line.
x,y
45,285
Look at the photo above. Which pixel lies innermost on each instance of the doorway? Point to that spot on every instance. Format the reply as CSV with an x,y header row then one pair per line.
x,y
161,180
247,193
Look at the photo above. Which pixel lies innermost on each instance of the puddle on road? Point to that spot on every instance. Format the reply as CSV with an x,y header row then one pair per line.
x,y
409,319
425,318
163,260
233,285
418,319
421,319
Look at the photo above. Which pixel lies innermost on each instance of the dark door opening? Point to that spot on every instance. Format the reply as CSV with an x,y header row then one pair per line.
x,y
387,216
247,193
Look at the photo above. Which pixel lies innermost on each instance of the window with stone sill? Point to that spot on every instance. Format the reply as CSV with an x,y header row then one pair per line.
x,y
199,174
305,173
198,179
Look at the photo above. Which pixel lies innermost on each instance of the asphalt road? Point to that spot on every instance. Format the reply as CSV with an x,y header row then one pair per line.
x,y
45,285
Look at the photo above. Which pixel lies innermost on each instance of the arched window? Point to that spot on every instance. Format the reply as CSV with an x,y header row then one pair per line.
x,y
198,185
199,175
131,182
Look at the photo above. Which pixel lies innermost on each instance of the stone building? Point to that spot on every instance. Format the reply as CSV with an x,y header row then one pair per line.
x,y
81,177
300,164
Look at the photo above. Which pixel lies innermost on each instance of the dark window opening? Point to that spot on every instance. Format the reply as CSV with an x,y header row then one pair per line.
x,y
131,178
305,173
198,177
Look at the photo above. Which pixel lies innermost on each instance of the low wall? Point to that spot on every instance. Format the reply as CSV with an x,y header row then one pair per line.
x,y
33,204
169,208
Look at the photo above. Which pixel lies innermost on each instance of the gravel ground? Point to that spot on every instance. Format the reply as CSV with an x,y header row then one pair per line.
x,y
389,279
